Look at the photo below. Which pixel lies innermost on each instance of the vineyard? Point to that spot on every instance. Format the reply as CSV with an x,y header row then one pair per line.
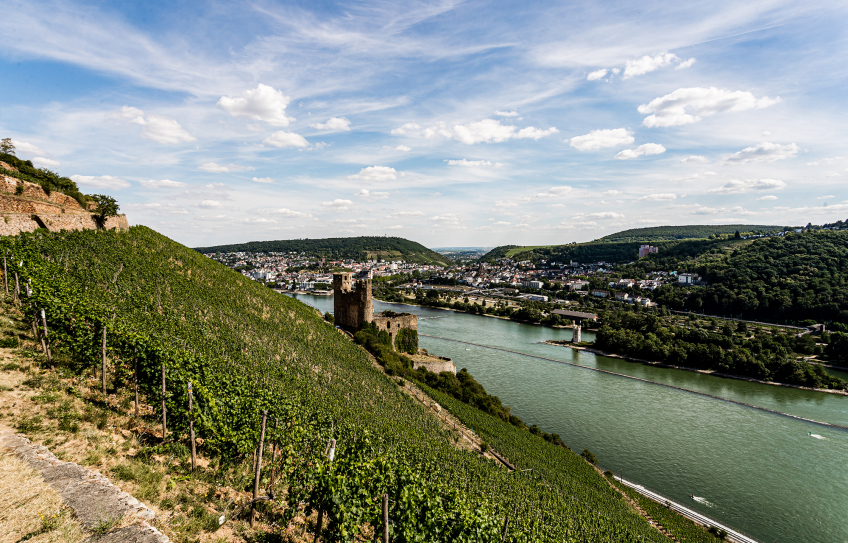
x,y
174,317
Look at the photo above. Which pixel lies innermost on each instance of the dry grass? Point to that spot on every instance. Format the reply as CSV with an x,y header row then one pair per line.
x,y
29,506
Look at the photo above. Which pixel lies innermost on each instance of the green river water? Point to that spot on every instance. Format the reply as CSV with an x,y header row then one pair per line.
x,y
760,473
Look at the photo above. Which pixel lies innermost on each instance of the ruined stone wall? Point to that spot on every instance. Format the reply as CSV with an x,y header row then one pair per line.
x,y
352,303
12,224
393,324
33,209
31,190
436,364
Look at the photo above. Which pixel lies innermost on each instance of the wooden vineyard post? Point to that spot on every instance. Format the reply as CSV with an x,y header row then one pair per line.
x,y
135,371
5,275
17,290
274,459
258,468
103,368
164,410
191,427
385,518
330,451
47,340
506,527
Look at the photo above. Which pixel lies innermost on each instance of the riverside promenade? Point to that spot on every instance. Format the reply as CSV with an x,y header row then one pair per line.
x,y
732,535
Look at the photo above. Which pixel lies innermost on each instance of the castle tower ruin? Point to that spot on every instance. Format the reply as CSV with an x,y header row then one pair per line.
x,y
352,303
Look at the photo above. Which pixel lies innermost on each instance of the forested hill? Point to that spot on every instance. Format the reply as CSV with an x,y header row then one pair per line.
x,y
793,277
693,231
357,248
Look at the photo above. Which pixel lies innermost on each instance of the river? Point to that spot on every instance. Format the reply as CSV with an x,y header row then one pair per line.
x,y
757,472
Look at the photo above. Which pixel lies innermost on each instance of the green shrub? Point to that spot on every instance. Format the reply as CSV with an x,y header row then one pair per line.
x,y
407,341
10,342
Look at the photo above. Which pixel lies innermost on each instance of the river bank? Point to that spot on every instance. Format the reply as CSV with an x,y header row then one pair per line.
x,y
671,366
501,317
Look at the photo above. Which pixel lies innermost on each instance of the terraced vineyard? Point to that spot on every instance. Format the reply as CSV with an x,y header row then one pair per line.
x,y
246,348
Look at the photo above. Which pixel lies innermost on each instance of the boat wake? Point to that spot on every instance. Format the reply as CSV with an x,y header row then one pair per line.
x,y
817,436
703,501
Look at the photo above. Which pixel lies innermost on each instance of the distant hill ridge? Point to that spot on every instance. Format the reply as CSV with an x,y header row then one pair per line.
x,y
356,248
622,246
693,231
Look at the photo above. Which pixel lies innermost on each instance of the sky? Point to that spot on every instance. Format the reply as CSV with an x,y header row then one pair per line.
x,y
474,123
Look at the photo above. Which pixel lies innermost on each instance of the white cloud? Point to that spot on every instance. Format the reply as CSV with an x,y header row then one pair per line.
x,y
165,130
286,212
368,195
698,159
487,130
334,124
832,174
404,128
647,64
764,152
263,103
829,196
285,139
163,184
825,161
338,203
661,197
41,162
373,174
210,204
512,113
535,133
689,105
395,227
258,220
403,148
159,128
502,223
28,148
768,197
597,74
449,218
554,192
645,149
737,186
472,163
604,215
211,167
598,139
263,180
100,181
398,214
685,64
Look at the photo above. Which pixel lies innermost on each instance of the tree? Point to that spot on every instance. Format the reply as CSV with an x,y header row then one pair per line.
x,y
7,146
106,207
737,235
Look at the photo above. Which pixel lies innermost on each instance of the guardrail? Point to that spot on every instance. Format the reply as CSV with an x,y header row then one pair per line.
x,y
732,535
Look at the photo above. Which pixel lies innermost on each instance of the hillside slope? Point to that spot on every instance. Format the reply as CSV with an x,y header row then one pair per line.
x,y
246,348
356,248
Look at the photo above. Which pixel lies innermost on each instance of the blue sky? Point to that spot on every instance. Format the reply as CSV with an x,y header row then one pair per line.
x,y
450,123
